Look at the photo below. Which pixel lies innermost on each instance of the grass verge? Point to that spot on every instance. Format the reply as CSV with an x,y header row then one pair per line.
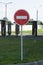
x,y
10,50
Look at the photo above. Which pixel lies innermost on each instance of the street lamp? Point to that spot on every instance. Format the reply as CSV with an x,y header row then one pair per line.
x,y
37,13
6,7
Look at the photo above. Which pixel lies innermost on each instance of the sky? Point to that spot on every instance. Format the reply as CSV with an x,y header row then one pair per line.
x,y
31,6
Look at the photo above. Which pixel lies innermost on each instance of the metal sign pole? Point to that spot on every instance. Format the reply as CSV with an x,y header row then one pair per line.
x,y
21,44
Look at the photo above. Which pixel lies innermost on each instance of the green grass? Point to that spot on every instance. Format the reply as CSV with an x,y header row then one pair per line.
x,y
10,50
29,32
40,31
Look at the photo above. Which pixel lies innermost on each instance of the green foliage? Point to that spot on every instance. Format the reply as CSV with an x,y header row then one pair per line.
x,y
29,23
38,22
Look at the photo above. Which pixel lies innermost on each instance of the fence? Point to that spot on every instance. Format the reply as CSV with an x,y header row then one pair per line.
x,y
25,27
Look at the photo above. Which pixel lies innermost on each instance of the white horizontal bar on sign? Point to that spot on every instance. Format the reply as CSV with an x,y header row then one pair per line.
x,y
21,17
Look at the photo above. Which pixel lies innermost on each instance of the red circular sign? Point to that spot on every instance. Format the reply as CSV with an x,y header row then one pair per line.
x,y
21,17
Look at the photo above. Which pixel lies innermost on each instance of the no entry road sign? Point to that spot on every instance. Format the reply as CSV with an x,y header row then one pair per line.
x,y
21,17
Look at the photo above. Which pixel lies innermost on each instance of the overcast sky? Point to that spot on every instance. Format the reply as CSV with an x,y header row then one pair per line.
x,y
30,5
